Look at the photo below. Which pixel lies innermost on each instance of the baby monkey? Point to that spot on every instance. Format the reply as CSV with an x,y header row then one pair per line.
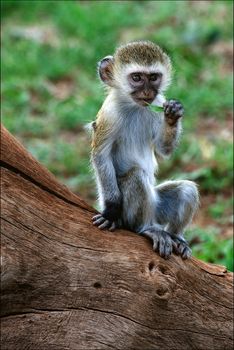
x,y
127,137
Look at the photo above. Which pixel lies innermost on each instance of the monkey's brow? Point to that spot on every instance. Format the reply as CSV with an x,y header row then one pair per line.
x,y
146,72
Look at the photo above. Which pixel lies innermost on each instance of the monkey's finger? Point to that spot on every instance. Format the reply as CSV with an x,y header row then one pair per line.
x,y
179,107
167,109
179,113
113,227
172,102
96,217
104,225
99,221
178,104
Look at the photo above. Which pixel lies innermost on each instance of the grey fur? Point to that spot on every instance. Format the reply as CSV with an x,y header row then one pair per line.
x,y
126,141
105,176
125,167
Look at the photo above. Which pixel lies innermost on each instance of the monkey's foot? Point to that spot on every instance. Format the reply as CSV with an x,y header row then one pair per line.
x,y
181,247
102,223
162,241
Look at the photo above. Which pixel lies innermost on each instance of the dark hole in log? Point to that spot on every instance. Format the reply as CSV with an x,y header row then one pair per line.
x,y
151,265
97,285
162,269
161,291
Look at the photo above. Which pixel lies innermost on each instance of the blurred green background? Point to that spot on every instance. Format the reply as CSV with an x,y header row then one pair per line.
x,y
50,90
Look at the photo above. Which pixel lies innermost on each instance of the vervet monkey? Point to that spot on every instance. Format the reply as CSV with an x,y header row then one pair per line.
x,y
127,137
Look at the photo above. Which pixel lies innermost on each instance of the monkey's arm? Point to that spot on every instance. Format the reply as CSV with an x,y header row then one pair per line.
x,y
167,128
109,194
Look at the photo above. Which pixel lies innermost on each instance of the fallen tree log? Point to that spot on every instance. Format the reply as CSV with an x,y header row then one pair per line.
x,y
68,285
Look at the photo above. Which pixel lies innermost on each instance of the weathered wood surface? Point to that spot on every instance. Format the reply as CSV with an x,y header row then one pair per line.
x,y
67,285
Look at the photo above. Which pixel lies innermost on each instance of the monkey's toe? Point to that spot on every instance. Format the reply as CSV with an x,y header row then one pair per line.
x,y
181,247
162,243
113,227
165,248
187,253
168,249
100,220
95,217
104,225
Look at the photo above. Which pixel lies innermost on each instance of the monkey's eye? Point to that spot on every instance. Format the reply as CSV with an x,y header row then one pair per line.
x,y
155,76
136,77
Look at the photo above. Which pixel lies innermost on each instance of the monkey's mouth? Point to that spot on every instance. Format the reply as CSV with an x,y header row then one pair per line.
x,y
144,101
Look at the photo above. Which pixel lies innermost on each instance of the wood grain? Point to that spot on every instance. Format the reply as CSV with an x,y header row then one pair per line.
x,y
68,285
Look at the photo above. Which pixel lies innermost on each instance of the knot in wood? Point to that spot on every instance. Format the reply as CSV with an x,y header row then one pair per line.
x,y
163,292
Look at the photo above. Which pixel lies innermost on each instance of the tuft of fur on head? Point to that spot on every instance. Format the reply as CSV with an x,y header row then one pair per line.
x,y
141,56
141,52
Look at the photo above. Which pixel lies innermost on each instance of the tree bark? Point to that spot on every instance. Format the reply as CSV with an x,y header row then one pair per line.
x,y
68,285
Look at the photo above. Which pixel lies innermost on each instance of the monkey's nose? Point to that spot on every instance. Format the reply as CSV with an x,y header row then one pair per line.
x,y
146,93
149,94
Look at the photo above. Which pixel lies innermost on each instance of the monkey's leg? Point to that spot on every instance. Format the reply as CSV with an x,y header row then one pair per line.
x,y
178,202
139,205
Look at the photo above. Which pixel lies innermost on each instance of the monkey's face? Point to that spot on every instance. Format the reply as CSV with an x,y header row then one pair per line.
x,y
138,71
144,86
142,83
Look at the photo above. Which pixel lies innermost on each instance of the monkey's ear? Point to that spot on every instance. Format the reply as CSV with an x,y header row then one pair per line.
x,y
105,69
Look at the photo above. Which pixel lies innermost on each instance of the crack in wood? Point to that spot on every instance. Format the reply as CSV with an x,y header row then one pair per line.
x,y
62,310
49,238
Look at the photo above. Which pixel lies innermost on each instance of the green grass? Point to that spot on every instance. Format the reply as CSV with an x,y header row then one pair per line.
x,y
209,246
50,88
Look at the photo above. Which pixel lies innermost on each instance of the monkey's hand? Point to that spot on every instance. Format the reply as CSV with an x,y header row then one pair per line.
x,y
173,110
109,217
181,247
162,241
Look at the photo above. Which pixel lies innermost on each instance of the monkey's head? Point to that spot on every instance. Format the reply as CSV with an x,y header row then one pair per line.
x,y
139,70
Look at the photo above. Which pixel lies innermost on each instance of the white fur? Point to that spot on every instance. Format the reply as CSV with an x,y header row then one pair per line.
x,y
121,74
159,100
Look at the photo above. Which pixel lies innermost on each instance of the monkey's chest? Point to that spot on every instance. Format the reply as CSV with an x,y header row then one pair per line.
x,y
134,150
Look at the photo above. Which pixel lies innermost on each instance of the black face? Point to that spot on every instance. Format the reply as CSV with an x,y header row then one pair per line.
x,y
145,86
